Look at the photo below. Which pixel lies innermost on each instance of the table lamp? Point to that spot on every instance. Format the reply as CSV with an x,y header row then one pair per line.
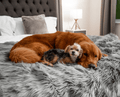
x,y
76,14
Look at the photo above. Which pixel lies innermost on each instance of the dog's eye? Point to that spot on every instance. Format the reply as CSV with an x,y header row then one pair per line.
x,y
77,50
95,55
85,54
71,48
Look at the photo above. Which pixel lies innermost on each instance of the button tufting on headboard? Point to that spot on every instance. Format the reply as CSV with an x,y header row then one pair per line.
x,y
6,9
17,8
33,2
14,9
40,2
38,10
23,10
30,10
17,1
26,1
47,2
44,10
50,10
9,1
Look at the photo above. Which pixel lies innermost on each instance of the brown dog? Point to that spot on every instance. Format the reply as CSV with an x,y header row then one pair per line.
x,y
32,48
91,53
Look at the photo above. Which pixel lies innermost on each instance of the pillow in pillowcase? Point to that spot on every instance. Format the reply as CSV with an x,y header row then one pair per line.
x,y
51,24
7,25
35,24
19,30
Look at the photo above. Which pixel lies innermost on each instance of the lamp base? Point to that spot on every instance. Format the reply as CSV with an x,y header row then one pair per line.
x,y
76,25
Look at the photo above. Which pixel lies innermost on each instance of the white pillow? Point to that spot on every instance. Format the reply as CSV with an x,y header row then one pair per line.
x,y
7,25
51,24
19,30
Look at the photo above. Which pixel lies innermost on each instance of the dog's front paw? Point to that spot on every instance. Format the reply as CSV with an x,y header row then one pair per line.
x,y
47,63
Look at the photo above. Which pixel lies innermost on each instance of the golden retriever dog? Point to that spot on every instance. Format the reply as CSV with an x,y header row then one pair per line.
x,y
91,53
32,48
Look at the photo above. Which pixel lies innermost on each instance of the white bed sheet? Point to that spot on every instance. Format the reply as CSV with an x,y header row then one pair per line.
x,y
13,38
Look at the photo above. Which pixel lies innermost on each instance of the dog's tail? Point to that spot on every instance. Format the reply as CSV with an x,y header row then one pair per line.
x,y
23,54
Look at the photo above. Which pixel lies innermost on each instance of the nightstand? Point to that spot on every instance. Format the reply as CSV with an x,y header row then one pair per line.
x,y
77,31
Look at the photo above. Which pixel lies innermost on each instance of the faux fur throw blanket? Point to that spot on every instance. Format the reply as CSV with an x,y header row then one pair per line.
x,y
73,80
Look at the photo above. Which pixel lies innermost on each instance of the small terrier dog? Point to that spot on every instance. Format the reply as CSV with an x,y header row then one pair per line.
x,y
69,55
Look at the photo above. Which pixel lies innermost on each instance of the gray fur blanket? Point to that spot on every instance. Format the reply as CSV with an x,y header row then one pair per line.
x,y
38,80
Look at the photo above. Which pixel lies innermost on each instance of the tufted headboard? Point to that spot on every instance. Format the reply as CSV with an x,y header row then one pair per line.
x,y
18,8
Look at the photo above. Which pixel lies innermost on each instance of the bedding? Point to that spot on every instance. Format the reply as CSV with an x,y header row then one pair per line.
x,y
7,26
13,38
19,29
48,26
10,26
35,24
62,80
51,24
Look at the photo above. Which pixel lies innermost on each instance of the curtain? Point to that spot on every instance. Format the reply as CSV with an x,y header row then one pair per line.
x,y
108,16
59,15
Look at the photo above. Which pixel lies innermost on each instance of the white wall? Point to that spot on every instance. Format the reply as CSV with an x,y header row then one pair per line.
x,y
91,15
94,17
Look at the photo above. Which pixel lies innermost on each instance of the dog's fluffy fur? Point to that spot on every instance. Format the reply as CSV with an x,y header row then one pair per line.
x,y
69,55
32,48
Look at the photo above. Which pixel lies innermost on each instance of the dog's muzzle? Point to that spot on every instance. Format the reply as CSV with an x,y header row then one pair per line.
x,y
92,66
73,53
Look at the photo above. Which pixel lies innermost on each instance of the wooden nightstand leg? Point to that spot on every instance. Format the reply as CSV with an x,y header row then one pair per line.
x,y
76,25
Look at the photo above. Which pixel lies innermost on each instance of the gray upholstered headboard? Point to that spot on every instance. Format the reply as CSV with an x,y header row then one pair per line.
x,y
18,8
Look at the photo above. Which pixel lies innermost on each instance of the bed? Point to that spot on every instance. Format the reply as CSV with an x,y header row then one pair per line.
x,y
39,80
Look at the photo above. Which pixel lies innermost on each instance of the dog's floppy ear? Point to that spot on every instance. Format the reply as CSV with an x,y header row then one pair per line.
x,y
67,48
101,55
80,55
104,55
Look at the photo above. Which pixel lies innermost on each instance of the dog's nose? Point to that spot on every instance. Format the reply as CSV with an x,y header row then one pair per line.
x,y
92,66
73,52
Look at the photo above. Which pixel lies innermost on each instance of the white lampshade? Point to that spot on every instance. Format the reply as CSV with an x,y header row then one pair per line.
x,y
76,13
